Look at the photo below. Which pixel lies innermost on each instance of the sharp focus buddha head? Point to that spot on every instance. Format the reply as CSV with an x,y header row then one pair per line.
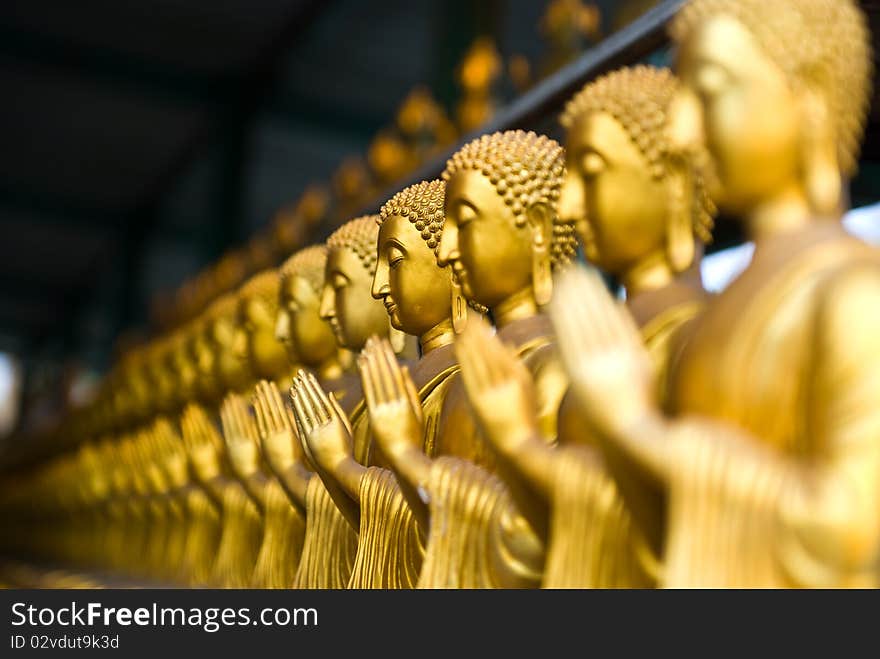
x,y
778,92
501,196
630,198
415,289
308,338
346,301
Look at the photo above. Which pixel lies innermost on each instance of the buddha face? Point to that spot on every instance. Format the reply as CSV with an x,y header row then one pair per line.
x,y
490,255
229,367
140,389
184,370
415,290
347,303
308,339
162,380
620,209
256,340
737,101
204,360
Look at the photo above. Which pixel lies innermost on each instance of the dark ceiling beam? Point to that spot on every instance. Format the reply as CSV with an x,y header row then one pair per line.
x,y
341,121
64,211
123,71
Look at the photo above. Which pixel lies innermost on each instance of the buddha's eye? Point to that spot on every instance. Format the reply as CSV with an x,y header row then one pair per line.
x,y
465,214
395,256
592,164
338,281
711,79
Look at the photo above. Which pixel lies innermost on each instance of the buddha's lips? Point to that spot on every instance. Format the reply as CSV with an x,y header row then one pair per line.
x,y
390,306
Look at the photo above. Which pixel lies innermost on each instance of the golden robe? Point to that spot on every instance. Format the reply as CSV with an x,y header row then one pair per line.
x,y
389,553
593,541
329,544
240,538
775,464
283,531
477,538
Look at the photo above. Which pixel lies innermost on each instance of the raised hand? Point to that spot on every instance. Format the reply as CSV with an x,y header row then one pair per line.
x,y
499,387
392,400
320,422
602,351
240,433
202,442
275,426
171,449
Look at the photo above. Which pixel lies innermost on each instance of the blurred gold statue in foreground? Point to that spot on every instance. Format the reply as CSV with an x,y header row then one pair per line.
x,y
770,466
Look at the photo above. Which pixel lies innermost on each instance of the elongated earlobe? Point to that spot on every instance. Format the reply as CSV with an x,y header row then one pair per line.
x,y
823,182
541,223
459,307
680,228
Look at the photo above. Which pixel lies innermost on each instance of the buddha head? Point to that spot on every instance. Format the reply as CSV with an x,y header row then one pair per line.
x,y
346,301
502,234
417,292
228,367
308,338
160,376
778,93
257,313
137,384
181,363
202,355
634,201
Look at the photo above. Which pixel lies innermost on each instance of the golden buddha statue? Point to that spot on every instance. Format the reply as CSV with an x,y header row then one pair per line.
x,y
500,217
347,305
419,297
197,535
241,524
767,471
309,339
423,124
569,27
478,75
256,342
642,214
283,524
352,186
226,360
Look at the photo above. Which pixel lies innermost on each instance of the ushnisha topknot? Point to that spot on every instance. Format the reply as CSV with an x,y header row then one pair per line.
x,y
263,286
421,204
639,98
525,169
308,263
824,45
358,235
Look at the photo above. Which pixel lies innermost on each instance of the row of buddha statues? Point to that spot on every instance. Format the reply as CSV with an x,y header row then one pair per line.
x,y
441,395
420,130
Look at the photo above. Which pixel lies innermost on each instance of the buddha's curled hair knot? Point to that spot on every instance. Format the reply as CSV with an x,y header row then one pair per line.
x,y
358,235
639,98
526,169
422,205
308,263
263,286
